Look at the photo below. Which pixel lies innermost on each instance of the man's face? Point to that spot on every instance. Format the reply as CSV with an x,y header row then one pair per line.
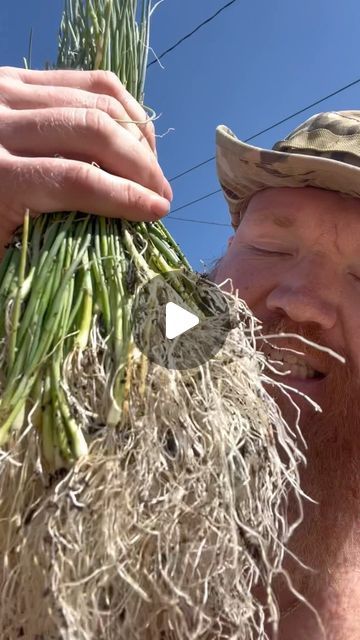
x,y
295,260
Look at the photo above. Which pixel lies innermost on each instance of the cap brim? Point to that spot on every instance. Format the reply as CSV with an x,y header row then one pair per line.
x,y
243,170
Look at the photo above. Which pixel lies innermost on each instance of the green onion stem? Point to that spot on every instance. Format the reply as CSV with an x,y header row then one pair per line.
x,y
17,303
82,337
68,285
47,427
74,436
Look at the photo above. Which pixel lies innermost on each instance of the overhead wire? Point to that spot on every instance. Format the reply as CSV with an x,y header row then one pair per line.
x,y
276,124
250,138
188,35
217,224
208,195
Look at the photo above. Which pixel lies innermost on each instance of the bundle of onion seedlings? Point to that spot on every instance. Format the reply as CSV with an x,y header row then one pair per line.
x,y
136,501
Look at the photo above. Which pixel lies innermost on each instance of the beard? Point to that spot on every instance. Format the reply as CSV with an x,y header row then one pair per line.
x,y
326,537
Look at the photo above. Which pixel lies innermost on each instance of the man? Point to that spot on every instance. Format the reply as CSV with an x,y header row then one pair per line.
x,y
295,259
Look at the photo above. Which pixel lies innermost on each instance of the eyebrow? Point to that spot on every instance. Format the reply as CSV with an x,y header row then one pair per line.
x,y
283,221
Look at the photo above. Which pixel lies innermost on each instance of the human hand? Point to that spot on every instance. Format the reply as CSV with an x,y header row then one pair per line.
x,y
72,114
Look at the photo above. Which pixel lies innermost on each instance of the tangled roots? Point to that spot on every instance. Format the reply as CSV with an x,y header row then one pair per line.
x,y
165,528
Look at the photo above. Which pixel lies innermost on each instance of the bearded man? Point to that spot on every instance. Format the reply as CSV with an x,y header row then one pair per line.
x,y
294,258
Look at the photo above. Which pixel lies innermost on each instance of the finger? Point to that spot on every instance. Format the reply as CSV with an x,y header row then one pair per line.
x,y
105,82
82,134
45,185
22,96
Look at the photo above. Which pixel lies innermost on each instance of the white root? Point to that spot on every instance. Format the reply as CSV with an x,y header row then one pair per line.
x,y
165,529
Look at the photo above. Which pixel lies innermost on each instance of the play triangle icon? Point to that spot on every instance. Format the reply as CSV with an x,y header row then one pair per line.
x,y
178,320
169,330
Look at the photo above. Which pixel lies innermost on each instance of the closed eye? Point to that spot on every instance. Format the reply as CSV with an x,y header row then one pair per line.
x,y
271,252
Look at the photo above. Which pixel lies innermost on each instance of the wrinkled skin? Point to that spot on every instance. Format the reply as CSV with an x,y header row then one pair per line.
x,y
295,259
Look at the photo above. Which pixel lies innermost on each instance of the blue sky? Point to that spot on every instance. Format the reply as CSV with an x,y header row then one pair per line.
x,y
255,64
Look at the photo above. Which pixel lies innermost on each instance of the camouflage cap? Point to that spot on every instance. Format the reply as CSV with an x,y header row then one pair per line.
x,y
322,152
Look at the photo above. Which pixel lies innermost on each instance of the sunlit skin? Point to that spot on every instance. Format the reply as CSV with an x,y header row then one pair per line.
x,y
295,259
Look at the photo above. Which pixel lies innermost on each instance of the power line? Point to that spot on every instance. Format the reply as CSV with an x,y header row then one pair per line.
x,y
196,166
202,24
188,204
217,224
208,195
276,124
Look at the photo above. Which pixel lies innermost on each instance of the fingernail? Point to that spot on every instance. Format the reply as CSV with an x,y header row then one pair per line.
x,y
159,206
167,193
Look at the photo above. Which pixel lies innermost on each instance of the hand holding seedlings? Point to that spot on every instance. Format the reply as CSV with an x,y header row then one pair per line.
x,y
75,140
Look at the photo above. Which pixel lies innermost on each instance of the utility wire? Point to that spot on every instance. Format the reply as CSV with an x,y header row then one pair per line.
x,y
276,124
212,193
183,206
217,224
188,204
259,133
202,24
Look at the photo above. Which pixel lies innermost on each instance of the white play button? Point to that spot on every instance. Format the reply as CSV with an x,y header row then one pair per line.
x,y
178,320
173,332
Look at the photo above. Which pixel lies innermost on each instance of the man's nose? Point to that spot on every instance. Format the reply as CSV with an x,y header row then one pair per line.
x,y
307,292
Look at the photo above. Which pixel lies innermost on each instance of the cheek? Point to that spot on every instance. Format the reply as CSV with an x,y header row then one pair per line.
x,y
249,278
353,347
348,325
